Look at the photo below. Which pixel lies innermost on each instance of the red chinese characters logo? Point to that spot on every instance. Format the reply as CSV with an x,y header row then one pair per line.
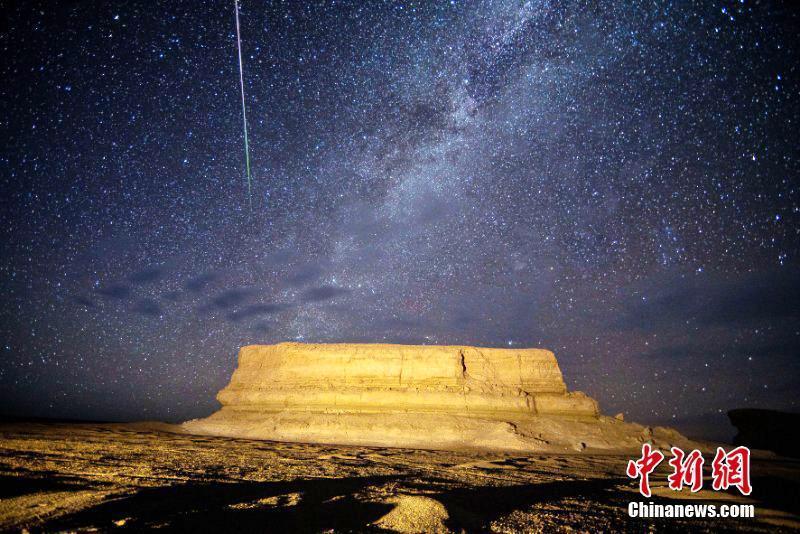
x,y
686,469
730,469
645,465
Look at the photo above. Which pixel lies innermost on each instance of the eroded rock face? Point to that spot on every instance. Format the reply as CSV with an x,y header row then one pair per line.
x,y
398,378
412,396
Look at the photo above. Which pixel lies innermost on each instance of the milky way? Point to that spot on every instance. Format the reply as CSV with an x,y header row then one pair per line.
x,y
615,181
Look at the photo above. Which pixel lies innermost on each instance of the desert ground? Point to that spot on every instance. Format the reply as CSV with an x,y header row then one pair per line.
x,y
107,477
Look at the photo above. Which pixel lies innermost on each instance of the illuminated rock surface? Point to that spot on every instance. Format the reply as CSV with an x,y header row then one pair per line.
x,y
437,397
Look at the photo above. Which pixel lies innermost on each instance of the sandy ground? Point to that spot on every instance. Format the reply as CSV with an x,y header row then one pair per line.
x,y
90,477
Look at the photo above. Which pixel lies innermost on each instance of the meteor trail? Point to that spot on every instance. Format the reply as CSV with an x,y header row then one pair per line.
x,y
244,111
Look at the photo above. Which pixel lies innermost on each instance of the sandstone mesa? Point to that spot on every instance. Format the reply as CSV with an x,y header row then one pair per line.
x,y
416,396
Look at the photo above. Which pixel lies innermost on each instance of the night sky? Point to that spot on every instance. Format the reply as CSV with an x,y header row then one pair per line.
x,y
618,182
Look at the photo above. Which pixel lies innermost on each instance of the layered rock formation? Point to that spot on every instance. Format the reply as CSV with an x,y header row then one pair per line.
x,y
414,396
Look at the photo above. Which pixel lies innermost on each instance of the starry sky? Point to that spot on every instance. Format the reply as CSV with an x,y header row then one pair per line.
x,y
614,181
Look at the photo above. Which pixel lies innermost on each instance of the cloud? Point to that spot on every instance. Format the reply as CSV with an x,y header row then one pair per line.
x,y
151,274
255,310
710,300
83,301
304,274
326,292
231,297
196,284
148,307
115,291
261,328
174,296
719,341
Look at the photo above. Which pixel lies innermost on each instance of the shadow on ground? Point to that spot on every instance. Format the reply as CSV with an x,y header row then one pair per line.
x,y
15,486
323,504
473,509
223,507
344,505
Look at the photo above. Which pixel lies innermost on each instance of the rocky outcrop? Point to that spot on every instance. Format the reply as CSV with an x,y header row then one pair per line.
x,y
769,430
414,396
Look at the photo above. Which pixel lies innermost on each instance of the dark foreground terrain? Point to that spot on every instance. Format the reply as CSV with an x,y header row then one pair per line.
x,y
102,477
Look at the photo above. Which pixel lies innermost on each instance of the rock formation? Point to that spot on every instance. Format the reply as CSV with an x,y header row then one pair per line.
x,y
770,430
439,397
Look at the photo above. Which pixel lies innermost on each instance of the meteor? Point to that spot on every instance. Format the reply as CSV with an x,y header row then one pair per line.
x,y
244,110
